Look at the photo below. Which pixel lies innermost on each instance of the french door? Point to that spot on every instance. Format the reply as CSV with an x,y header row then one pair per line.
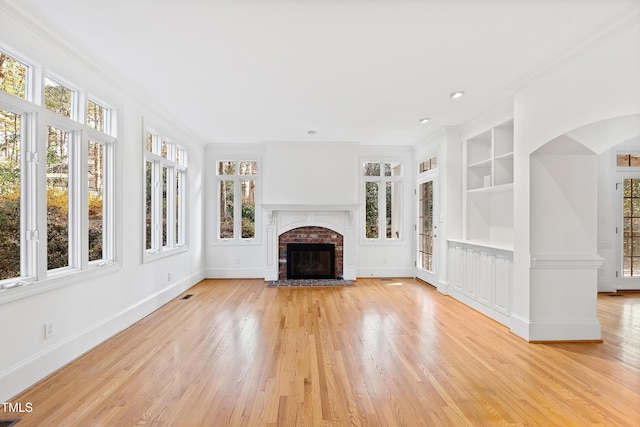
x,y
427,228
628,233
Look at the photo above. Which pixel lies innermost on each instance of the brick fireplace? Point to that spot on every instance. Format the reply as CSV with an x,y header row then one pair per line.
x,y
310,234
298,223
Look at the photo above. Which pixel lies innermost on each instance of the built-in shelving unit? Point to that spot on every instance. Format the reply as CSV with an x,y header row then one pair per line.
x,y
481,263
489,186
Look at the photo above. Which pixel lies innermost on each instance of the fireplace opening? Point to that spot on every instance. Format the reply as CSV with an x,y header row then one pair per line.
x,y
310,261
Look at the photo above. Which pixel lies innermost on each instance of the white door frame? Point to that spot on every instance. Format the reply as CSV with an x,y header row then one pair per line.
x,y
430,277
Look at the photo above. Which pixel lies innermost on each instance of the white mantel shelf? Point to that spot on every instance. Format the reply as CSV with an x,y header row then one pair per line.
x,y
349,207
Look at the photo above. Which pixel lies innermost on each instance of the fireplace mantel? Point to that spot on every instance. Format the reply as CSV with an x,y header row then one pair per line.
x,y
282,217
350,208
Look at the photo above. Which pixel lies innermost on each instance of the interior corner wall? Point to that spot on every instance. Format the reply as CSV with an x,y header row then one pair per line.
x,y
88,310
600,84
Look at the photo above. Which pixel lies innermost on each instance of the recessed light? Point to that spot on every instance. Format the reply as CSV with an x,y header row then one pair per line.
x,y
457,94
312,132
425,120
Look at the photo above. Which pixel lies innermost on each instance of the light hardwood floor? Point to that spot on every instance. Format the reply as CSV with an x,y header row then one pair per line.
x,y
383,353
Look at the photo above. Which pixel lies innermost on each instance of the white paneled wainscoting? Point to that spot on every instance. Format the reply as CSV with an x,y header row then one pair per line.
x,y
481,277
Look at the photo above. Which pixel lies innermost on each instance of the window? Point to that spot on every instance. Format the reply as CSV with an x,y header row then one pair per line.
x,y
13,76
97,205
382,184
10,193
58,200
72,167
631,221
165,195
236,195
428,165
98,116
632,160
58,98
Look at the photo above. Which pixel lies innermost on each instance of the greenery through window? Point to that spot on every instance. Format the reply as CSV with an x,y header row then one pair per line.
x,y
64,149
382,190
96,202
236,199
58,146
58,98
13,76
631,219
10,172
165,194
98,117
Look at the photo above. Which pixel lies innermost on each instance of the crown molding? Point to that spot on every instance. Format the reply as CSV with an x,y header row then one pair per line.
x,y
627,18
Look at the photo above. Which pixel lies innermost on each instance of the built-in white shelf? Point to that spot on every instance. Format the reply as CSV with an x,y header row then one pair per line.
x,y
488,196
492,189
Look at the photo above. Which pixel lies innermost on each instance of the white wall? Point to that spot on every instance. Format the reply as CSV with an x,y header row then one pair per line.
x,y
598,82
302,173
311,173
89,309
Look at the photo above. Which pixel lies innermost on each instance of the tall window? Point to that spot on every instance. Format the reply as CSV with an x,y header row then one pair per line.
x,y
58,200
382,184
631,220
236,199
10,193
72,168
165,195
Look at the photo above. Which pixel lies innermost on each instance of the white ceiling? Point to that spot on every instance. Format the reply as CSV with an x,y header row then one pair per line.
x,y
352,70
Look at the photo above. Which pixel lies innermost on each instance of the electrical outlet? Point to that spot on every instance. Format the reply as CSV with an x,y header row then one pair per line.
x,y
48,330
169,277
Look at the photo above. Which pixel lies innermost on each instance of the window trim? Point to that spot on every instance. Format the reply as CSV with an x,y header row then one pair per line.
x,y
382,239
158,249
237,239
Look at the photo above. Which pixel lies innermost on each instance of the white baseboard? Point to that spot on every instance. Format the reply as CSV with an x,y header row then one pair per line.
x,y
520,326
234,273
384,272
443,287
21,376
556,330
565,330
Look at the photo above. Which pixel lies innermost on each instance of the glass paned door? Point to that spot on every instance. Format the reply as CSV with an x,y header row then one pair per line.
x,y
426,230
629,235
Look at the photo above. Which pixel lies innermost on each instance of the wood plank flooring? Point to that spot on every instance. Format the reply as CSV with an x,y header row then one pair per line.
x,y
382,353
